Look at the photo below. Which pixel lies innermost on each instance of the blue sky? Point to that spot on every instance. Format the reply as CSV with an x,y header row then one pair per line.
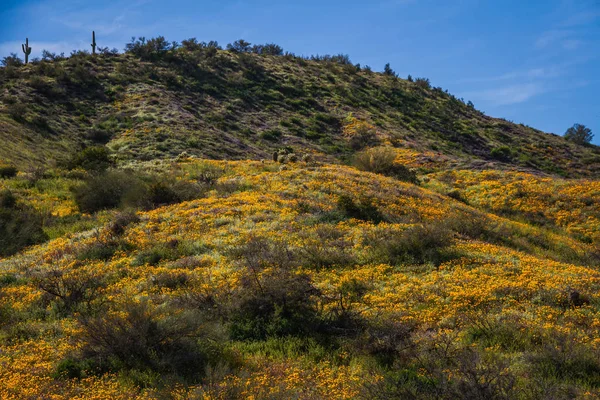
x,y
534,62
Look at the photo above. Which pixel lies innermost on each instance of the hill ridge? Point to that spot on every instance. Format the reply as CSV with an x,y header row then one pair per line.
x,y
148,103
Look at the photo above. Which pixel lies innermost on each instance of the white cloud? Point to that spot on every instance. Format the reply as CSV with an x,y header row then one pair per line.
x,y
564,39
581,18
507,95
548,72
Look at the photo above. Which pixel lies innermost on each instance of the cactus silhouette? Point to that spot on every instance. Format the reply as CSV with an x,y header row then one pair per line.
x,y
26,50
93,42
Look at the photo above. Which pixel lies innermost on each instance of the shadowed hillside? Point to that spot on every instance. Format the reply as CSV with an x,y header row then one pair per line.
x,y
156,102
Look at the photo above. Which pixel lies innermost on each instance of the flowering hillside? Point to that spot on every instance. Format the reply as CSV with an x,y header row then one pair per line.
x,y
303,280
573,205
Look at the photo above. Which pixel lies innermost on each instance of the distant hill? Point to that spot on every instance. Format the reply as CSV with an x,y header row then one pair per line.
x,y
156,102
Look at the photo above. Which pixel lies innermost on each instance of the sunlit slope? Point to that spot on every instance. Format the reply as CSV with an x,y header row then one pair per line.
x,y
482,282
572,205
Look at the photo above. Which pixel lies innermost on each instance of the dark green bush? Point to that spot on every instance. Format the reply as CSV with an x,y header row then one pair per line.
x,y
239,46
562,358
17,111
70,293
102,250
579,134
364,209
278,303
160,190
20,226
121,221
423,83
272,135
419,244
72,369
437,368
501,153
124,189
152,50
100,136
140,338
457,195
7,199
272,300
326,247
105,191
7,171
388,71
171,250
95,158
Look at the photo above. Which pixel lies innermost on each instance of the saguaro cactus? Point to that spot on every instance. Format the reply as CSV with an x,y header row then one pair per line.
x,y
26,50
93,42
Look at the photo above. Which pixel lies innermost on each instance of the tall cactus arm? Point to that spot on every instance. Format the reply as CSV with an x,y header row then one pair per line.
x,y
93,42
26,49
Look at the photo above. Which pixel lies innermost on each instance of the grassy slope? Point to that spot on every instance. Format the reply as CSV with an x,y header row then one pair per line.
x,y
483,297
234,106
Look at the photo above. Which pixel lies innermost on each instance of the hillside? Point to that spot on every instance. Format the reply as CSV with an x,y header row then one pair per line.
x,y
356,294
153,102
399,244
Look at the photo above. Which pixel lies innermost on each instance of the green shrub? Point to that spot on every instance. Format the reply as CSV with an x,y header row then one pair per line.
x,y
171,251
122,220
143,339
7,199
98,135
150,50
501,153
388,71
102,250
124,189
161,191
364,210
579,134
272,135
326,248
95,158
365,135
272,300
7,171
278,303
438,368
383,339
17,111
381,160
457,195
70,292
70,369
105,191
419,244
562,358
20,225
423,83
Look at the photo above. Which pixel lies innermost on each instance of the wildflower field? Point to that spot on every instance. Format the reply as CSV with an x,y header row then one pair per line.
x,y
309,281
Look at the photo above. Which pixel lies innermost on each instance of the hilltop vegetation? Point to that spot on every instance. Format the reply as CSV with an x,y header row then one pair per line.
x,y
159,99
359,236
